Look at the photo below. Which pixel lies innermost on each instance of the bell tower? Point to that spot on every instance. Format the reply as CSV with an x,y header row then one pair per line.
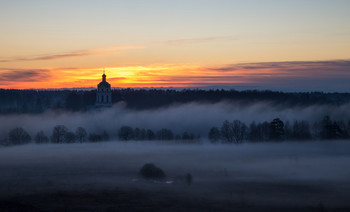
x,y
104,92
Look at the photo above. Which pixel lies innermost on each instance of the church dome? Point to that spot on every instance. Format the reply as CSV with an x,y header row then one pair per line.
x,y
104,84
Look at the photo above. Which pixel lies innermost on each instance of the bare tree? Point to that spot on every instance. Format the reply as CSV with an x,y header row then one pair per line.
x,y
41,138
69,137
165,134
239,130
81,134
226,132
150,135
94,137
214,135
58,134
105,136
19,136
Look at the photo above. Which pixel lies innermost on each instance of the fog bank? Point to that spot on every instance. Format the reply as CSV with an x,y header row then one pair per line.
x,y
194,118
306,173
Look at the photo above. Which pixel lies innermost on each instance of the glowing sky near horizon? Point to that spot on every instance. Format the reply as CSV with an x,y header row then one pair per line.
x,y
278,44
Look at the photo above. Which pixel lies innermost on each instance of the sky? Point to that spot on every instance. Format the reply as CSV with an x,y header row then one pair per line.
x,y
255,44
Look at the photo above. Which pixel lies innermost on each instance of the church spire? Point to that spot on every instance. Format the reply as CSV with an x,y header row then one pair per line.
x,y
104,75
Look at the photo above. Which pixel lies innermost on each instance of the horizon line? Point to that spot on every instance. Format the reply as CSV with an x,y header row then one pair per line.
x,y
204,88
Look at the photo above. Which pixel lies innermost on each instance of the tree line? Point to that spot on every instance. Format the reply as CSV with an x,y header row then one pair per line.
x,y
277,130
229,132
38,101
61,134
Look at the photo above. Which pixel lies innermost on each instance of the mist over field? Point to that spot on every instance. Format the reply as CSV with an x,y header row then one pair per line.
x,y
267,174
196,118
251,176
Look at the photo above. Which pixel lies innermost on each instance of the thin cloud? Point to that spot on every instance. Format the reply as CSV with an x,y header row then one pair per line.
x,y
297,64
336,65
62,56
23,75
117,78
79,53
330,75
82,53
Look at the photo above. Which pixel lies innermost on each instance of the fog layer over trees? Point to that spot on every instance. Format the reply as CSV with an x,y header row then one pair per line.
x,y
229,122
108,150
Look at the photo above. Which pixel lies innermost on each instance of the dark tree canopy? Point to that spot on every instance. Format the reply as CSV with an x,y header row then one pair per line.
x,y
19,136
239,130
81,134
276,129
214,135
126,133
227,132
69,137
94,137
165,134
301,131
150,135
58,134
38,101
151,172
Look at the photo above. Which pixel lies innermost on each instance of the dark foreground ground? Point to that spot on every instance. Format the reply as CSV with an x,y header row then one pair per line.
x,y
102,177
135,199
141,200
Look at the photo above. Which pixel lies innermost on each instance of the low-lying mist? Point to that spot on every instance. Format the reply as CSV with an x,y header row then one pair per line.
x,y
194,117
280,173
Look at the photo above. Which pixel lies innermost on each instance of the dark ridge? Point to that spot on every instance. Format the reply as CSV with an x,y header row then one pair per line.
x,y
38,101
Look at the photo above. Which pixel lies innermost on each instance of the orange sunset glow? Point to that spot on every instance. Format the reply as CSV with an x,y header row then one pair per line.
x,y
164,44
138,76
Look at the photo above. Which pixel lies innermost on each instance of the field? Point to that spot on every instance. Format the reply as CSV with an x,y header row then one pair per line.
x,y
293,176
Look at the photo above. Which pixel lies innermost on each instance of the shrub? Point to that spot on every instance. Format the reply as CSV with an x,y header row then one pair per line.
x,y
151,172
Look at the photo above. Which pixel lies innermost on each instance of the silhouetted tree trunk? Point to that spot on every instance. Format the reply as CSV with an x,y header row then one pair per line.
x,y
150,135
239,130
214,135
81,134
41,138
58,134
226,132
69,137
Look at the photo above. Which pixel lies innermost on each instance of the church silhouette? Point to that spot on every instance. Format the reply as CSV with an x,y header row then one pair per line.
x,y
104,93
